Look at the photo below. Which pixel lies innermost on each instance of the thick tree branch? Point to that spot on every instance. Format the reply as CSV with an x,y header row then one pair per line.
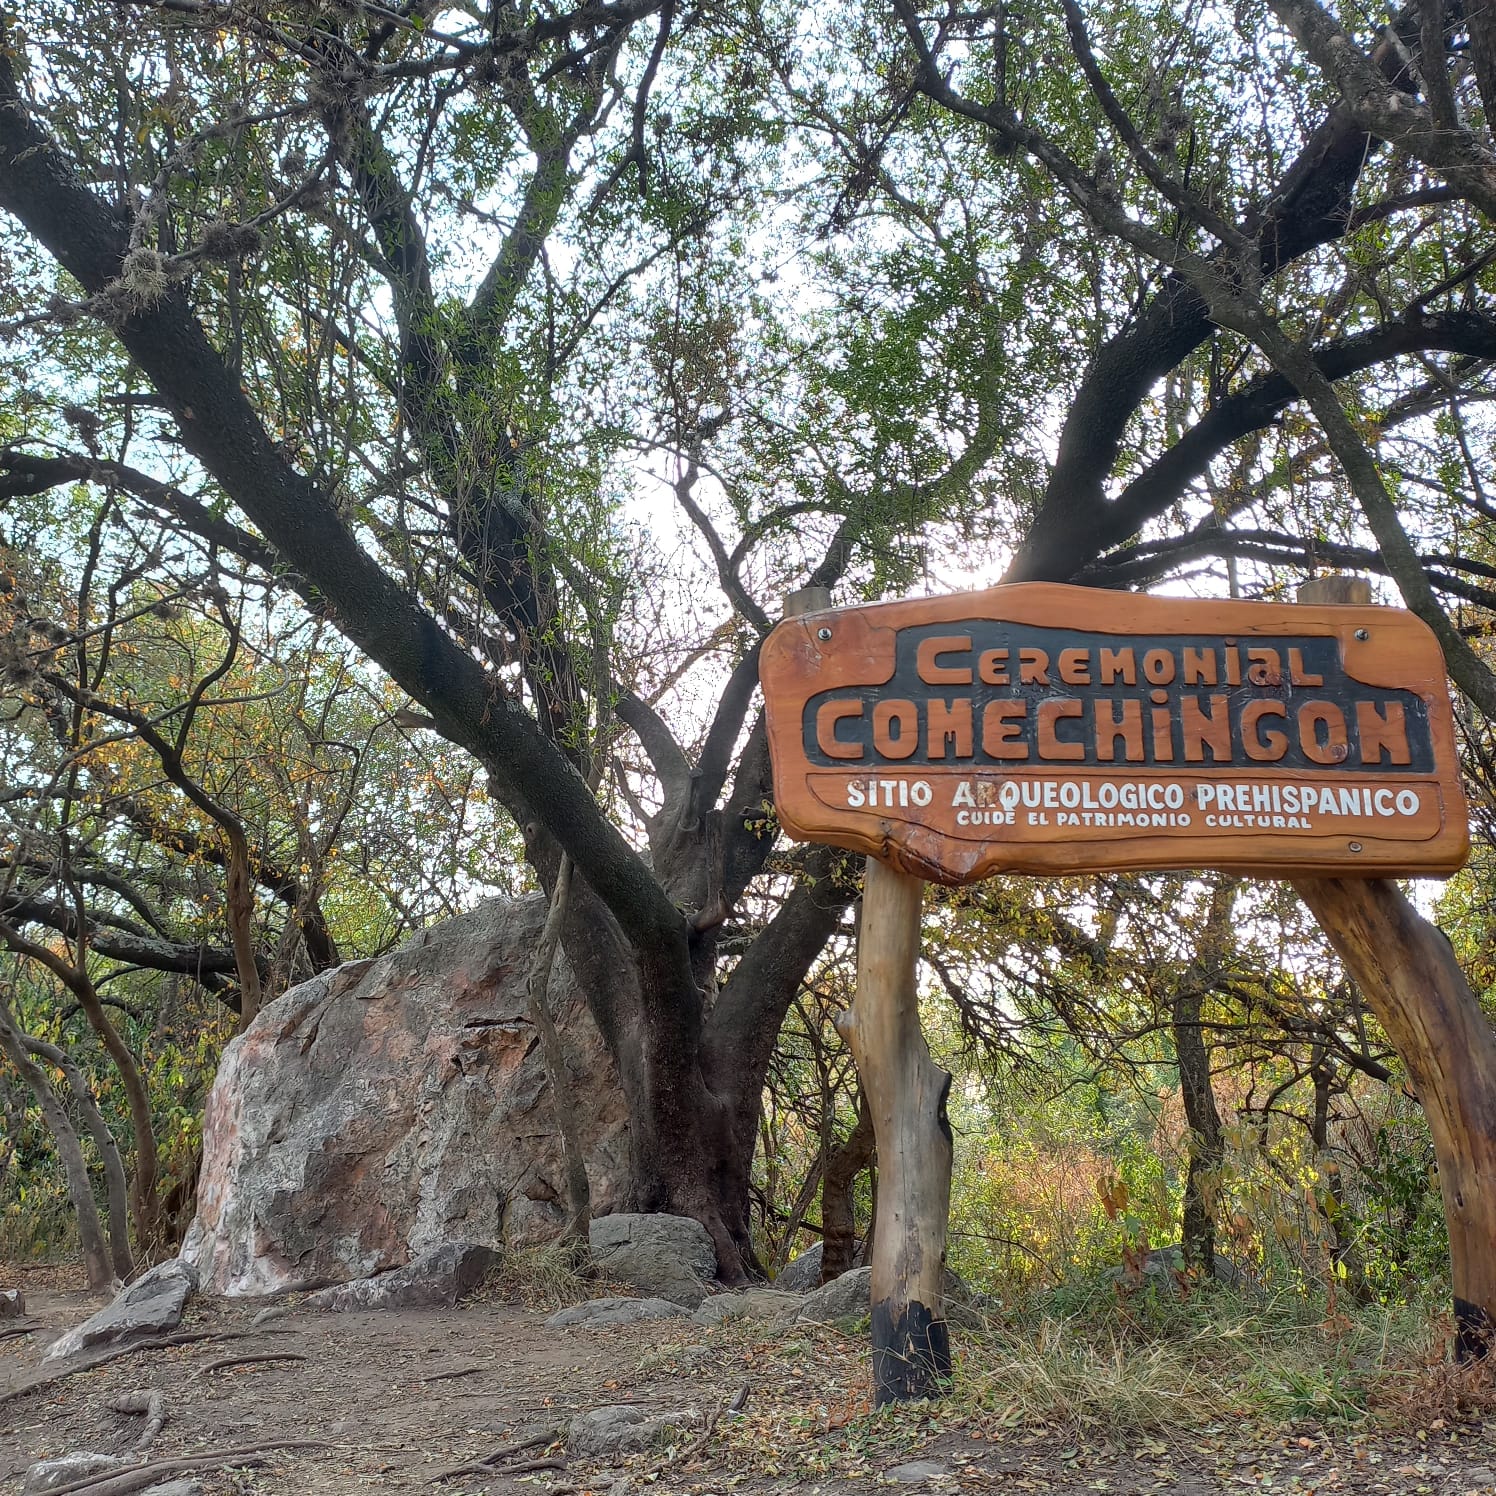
x,y
1254,407
39,186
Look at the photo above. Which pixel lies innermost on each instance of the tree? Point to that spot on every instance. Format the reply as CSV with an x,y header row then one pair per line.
x,y
404,311
453,563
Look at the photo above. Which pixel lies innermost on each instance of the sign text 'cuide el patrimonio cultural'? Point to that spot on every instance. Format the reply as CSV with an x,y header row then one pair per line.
x,y
1044,728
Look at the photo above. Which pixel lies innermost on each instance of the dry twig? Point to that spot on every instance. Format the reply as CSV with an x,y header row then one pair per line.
x,y
451,1376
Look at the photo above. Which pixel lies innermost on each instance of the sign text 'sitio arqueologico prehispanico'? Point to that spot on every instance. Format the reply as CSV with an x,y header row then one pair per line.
x,y
1046,728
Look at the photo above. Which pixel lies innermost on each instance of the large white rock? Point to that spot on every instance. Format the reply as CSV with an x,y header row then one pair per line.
x,y
47,1475
389,1106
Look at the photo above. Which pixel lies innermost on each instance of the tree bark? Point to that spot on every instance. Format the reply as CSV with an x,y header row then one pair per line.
x,y
838,1229
1346,1255
116,1188
1206,1143
906,1094
1412,982
69,1150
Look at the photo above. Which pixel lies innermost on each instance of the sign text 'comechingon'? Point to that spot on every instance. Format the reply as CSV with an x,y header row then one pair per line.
x,y
1048,728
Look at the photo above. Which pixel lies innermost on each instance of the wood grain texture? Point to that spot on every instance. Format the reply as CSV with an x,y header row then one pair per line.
x,y
906,1094
870,707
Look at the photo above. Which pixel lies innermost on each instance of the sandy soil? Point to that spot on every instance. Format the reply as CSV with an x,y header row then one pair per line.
x,y
394,1399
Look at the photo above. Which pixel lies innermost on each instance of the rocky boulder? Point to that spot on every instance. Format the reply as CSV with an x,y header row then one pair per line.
x,y
846,1297
1163,1268
434,1280
605,1433
151,1304
802,1274
748,1303
386,1107
850,1297
669,1256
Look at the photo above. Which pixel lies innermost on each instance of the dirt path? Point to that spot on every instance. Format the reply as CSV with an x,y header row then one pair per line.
x,y
395,1398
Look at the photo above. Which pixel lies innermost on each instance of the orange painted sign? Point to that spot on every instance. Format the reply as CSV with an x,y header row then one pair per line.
x,y
1051,729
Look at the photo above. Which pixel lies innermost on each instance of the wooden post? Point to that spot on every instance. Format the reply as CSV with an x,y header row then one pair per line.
x,y
906,1093
1408,973
1412,982
1355,591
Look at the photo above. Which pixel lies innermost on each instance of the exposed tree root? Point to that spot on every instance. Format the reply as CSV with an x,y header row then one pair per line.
x,y
486,1466
26,1327
225,1362
150,1473
115,1353
151,1404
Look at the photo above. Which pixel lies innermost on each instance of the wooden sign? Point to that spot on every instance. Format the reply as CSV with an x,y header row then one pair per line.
x,y
1050,729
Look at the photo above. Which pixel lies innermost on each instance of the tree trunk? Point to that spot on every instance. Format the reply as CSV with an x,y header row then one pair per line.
x,y
239,897
147,1207
1412,982
1206,1143
848,1160
906,1093
1206,1149
69,1150
117,1189
1346,1256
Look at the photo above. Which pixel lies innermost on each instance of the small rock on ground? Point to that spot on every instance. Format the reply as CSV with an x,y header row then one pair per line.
x,y
434,1279
183,1487
605,1432
151,1304
749,1303
913,1472
12,1303
47,1475
597,1314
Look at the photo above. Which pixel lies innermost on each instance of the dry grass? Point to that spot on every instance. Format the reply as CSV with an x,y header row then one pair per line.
x,y
1435,1391
1150,1363
549,1276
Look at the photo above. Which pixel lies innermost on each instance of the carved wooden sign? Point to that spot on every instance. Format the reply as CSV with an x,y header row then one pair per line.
x,y
1051,729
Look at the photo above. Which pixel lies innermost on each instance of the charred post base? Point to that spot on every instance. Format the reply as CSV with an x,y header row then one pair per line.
x,y
911,1353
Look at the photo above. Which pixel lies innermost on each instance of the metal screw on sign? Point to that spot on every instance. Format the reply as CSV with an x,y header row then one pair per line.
x,y
824,635
1355,846
1363,635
